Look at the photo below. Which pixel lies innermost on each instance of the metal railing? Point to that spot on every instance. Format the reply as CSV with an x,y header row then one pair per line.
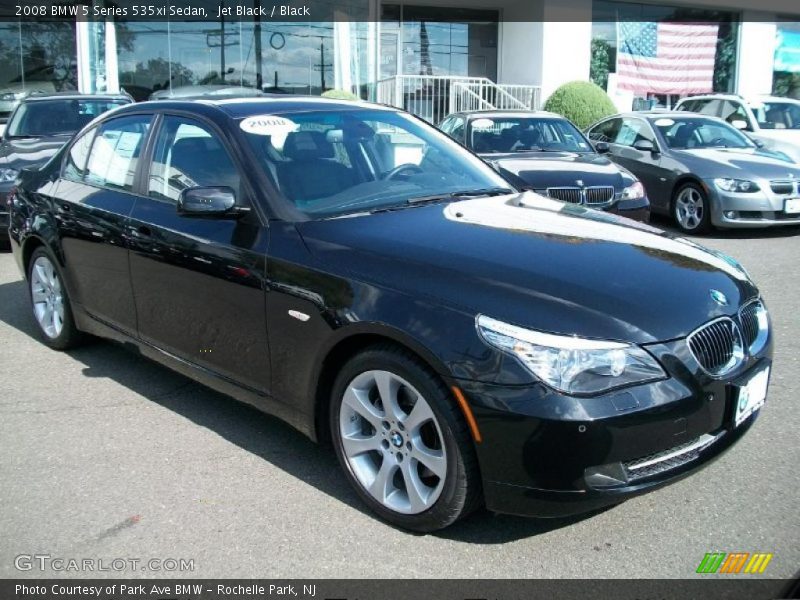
x,y
433,97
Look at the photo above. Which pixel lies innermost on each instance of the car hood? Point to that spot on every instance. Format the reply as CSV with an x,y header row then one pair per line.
x,y
781,140
789,135
537,263
744,163
540,170
29,152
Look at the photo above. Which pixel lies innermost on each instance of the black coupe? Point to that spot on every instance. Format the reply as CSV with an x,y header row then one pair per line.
x,y
357,273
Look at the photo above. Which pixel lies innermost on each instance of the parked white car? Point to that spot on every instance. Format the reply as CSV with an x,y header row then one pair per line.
x,y
771,120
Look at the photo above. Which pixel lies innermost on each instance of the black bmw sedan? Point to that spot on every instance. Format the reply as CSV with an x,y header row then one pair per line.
x,y
357,273
545,152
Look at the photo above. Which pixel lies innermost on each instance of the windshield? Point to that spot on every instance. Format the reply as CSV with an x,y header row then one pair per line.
x,y
55,117
697,132
778,115
524,134
329,163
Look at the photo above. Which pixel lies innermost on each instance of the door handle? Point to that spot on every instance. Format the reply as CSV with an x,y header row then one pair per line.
x,y
65,207
144,231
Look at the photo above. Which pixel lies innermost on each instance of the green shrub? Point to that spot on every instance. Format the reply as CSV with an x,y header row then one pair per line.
x,y
339,95
582,102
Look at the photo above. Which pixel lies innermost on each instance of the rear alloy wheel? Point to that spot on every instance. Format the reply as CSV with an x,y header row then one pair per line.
x,y
50,303
691,209
401,441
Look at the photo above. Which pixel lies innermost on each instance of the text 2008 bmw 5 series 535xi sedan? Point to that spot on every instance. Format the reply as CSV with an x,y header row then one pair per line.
x,y
357,273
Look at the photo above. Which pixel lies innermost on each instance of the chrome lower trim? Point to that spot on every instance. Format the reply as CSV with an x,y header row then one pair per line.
x,y
696,446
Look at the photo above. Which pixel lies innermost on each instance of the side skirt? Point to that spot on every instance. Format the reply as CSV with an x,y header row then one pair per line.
x,y
262,401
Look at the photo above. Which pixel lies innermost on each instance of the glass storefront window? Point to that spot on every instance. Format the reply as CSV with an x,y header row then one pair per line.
x,y
35,57
423,40
295,58
606,15
786,75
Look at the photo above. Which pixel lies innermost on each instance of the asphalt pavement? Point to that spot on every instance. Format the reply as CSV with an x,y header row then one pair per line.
x,y
105,455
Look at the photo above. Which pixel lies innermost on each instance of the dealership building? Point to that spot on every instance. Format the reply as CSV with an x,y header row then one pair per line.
x,y
429,58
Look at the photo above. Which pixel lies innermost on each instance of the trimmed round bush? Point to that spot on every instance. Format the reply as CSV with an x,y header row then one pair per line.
x,y
582,102
339,95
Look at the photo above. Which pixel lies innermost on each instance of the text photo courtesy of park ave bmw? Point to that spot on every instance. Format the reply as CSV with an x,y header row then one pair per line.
x,y
383,299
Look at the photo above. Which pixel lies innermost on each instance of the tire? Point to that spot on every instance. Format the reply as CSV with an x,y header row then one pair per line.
x,y
691,209
416,470
50,304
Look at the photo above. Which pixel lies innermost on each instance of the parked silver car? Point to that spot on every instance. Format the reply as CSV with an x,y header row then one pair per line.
x,y
703,171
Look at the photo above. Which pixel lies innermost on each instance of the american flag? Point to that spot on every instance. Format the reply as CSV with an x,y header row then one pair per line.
x,y
666,58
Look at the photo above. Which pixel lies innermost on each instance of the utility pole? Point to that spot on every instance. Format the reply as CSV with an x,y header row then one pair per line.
x,y
257,34
322,66
222,45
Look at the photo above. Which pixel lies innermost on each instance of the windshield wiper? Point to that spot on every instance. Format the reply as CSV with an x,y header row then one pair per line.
x,y
493,191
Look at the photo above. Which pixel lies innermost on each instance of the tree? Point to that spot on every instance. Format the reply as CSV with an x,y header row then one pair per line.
x,y
582,102
599,67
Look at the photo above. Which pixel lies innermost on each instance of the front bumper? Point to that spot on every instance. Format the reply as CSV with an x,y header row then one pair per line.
x,y
759,209
4,211
638,210
547,454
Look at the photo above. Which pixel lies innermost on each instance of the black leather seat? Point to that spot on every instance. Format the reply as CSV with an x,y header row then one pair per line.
x,y
683,136
311,171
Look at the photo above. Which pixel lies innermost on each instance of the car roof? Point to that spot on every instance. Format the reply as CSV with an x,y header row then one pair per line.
x,y
72,95
715,96
746,99
768,98
238,108
663,114
486,113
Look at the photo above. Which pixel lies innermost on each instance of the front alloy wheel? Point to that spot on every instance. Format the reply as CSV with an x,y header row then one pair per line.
x,y
393,442
690,209
402,442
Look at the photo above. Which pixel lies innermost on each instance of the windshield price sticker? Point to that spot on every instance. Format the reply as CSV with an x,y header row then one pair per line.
x,y
268,125
482,123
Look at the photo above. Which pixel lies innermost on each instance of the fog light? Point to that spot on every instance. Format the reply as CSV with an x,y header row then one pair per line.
x,y
730,214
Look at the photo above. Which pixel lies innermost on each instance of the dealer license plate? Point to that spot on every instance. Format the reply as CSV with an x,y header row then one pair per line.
x,y
751,397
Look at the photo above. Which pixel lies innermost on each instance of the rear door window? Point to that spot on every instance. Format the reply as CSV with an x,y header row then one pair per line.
x,y
607,131
708,107
75,166
115,152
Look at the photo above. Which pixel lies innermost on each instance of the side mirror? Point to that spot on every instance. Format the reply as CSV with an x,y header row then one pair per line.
x,y
601,147
212,201
740,124
645,146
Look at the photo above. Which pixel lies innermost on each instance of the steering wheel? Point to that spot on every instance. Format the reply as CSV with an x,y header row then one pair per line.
x,y
400,168
718,141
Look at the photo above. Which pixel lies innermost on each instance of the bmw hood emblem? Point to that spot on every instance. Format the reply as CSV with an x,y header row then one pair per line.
x,y
719,297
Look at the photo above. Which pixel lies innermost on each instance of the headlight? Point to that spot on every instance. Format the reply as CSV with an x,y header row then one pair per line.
x,y
633,191
736,185
571,364
8,96
8,175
